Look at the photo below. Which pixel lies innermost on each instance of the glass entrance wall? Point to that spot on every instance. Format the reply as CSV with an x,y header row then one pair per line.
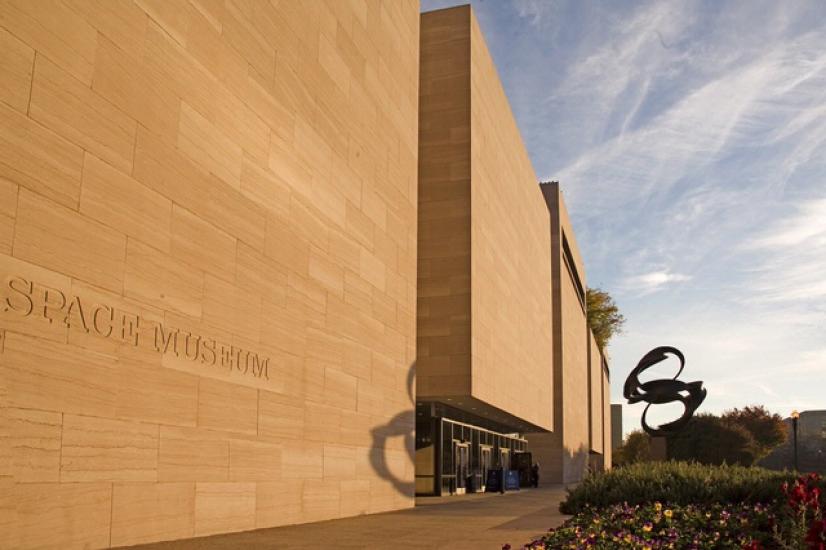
x,y
463,455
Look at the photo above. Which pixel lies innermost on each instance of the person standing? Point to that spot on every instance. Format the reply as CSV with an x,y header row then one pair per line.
x,y
535,475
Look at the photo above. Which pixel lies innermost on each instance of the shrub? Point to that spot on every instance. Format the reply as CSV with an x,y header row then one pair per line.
x,y
636,448
709,439
676,483
767,429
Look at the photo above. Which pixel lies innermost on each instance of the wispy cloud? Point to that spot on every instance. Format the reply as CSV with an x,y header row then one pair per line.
x,y
690,142
655,280
539,13
703,151
807,226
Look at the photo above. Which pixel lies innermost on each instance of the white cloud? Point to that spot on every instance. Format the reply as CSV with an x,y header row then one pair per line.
x,y
690,140
791,259
655,280
807,227
539,13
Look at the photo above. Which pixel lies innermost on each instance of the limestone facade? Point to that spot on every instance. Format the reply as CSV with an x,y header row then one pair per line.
x,y
582,424
484,310
208,219
502,330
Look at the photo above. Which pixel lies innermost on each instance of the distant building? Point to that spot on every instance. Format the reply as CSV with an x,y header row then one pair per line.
x,y
616,426
811,445
812,427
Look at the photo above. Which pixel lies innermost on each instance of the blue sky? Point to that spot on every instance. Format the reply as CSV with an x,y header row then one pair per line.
x,y
690,142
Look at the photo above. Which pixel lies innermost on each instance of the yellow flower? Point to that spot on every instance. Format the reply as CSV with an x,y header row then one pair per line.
x,y
668,514
658,506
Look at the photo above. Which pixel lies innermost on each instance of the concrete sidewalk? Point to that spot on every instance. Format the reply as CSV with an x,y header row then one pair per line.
x,y
483,521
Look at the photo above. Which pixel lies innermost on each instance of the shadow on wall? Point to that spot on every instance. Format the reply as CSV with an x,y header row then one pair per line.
x,y
576,464
402,425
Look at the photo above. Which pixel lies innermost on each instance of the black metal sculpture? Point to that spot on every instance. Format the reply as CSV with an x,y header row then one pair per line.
x,y
657,392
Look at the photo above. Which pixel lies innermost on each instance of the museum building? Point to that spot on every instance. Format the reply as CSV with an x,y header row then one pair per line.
x,y
272,264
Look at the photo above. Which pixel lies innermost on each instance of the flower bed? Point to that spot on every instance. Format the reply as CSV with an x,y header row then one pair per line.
x,y
795,519
657,526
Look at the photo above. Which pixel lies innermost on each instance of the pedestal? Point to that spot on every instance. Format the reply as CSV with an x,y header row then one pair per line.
x,y
659,449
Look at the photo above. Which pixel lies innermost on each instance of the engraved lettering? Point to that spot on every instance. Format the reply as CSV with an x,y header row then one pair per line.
x,y
237,359
164,339
208,354
49,293
192,345
110,319
101,320
260,366
246,362
25,289
76,309
130,323
255,368
227,356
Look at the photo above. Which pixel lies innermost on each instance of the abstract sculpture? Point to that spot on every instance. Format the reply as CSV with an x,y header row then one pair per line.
x,y
657,392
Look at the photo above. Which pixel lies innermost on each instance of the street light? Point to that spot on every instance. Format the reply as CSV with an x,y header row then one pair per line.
x,y
795,415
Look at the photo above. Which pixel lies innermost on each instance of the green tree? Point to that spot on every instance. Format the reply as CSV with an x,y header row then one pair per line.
x,y
635,448
604,317
708,439
768,430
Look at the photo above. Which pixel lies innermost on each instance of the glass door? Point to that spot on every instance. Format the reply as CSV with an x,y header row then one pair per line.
x,y
485,465
505,459
462,461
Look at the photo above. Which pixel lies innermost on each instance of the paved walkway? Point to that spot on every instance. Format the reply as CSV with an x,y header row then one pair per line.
x,y
478,522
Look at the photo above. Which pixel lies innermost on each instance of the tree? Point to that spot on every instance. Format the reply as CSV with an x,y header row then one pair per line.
x,y
604,317
768,430
708,439
635,448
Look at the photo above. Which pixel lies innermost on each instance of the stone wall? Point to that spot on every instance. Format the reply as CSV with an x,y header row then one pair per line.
x,y
574,341
595,395
484,261
208,262
566,451
608,425
511,330
444,286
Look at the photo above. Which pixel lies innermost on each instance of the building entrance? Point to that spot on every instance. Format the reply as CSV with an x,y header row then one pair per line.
x,y
455,457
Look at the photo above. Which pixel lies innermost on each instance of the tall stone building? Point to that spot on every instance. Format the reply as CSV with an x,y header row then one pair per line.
x,y
503,343
260,266
484,291
580,439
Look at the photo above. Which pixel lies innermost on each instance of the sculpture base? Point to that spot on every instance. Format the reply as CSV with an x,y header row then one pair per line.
x,y
659,449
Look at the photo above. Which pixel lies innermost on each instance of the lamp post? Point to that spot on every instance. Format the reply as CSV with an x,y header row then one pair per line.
x,y
795,415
